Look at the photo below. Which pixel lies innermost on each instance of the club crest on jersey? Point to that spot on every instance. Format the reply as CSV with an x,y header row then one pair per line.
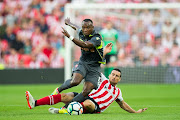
x,y
76,65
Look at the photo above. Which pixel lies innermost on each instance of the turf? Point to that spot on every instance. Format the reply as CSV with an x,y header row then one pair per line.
x,y
162,101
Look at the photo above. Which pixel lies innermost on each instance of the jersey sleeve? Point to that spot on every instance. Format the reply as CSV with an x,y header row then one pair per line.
x,y
120,96
103,77
96,40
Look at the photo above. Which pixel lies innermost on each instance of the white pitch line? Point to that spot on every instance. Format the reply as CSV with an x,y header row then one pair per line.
x,y
163,106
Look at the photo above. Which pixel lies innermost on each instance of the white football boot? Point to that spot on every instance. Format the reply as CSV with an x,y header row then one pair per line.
x,y
30,100
54,110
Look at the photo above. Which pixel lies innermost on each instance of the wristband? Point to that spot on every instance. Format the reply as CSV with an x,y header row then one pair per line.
x,y
71,38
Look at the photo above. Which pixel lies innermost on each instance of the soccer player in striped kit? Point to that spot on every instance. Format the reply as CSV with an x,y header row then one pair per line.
x,y
96,102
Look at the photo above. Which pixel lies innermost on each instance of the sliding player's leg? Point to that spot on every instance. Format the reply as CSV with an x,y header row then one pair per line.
x,y
48,100
88,107
63,110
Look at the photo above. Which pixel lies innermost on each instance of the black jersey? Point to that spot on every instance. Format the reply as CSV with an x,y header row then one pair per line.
x,y
94,55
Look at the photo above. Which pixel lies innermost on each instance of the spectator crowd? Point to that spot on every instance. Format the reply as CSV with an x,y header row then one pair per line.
x,y
30,33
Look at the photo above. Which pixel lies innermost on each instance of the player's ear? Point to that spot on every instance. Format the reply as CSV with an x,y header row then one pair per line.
x,y
119,79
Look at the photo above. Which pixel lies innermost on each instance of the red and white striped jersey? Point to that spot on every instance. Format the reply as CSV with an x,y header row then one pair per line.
x,y
105,94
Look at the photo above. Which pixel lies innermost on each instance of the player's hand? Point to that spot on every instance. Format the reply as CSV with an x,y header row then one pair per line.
x,y
67,21
108,48
65,33
141,110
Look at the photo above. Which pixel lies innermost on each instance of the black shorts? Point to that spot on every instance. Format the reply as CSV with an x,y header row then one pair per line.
x,y
97,109
75,93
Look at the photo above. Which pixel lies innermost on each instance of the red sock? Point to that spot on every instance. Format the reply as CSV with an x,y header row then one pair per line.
x,y
49,100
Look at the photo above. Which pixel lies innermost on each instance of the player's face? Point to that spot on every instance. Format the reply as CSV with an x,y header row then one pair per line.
x,y
114,77
87,28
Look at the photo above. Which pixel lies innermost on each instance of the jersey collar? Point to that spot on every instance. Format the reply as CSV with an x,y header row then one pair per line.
x,y
93,33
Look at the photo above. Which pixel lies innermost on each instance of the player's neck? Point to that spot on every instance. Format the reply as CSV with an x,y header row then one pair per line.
x,y
113,84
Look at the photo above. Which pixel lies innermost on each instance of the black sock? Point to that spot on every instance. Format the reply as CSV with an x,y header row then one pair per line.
x,y
79,98
35,102
65,85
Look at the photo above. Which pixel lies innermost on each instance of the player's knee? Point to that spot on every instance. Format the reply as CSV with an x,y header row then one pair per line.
x,y
85,92
75,82
64,96
77,78
89,106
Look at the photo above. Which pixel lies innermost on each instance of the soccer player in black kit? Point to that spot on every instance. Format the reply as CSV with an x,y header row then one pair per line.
x,y
88,67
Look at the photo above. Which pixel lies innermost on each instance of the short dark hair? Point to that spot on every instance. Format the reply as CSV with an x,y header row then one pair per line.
x,y
117,70
88,20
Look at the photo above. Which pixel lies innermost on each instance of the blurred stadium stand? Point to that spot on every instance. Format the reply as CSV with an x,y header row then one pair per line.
x,y
30,35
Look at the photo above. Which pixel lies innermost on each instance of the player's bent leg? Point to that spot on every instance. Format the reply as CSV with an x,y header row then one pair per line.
x,y
88,86
65,85
77,78
67,97
89,106
30,100
54,99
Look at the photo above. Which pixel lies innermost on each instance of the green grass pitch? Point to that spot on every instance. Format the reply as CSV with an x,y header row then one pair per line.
x,y
162,101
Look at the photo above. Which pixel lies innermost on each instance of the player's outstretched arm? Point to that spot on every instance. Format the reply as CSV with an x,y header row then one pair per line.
x,y
68,22
79,43
127,108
